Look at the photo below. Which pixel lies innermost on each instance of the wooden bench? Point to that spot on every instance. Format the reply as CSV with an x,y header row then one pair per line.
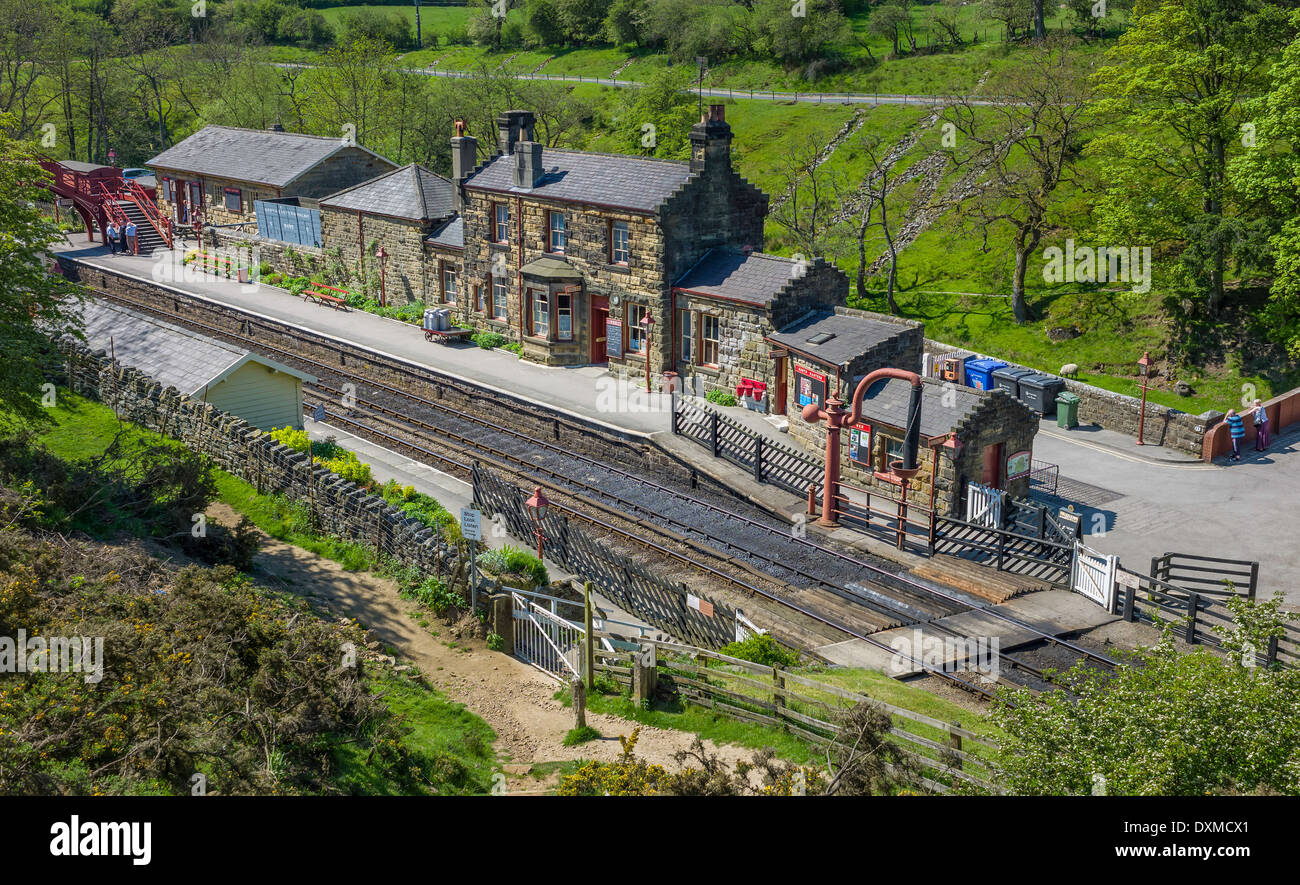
x,y
445,336
338,302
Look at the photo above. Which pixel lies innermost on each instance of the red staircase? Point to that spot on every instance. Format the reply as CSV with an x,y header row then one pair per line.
x,y
100,194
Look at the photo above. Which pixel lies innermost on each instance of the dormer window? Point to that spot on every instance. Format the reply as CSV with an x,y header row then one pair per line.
x,y
559,235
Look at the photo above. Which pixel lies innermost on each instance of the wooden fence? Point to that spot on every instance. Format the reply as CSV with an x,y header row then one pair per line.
x,y
634,587
945,754
770,462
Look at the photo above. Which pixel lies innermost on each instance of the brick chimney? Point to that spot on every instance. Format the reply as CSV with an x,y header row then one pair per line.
x,y
512,128
464,156
711,141
528,164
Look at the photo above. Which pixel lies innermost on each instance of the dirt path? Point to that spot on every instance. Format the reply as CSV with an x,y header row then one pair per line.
x,y
513,697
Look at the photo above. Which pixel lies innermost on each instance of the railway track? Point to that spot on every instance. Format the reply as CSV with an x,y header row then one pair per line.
x,y
816,590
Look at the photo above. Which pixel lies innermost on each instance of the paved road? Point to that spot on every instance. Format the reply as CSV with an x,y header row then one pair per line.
x,y
859,98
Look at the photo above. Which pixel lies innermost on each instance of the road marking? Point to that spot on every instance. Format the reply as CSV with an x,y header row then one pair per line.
x,y
1190,465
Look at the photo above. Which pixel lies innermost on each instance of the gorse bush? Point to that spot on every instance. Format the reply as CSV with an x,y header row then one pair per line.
x,y
761,649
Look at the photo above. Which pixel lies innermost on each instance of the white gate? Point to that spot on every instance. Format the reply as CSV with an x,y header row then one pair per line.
x,y
1093,575
547,641
984,505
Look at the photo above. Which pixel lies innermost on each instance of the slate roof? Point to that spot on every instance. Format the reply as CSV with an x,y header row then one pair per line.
x,y
617,180
257,155
885,402
412,192
755,278
548,268
450,236
853,336
171,355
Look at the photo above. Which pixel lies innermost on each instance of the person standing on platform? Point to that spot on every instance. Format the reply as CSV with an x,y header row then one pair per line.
x,y
132,246
1260,415
1237,429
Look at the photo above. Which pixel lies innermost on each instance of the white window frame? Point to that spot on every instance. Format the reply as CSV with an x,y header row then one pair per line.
x,y
450,284
564,316
558,237
500,299
686,335
708,342
540,312
500,230
620,256
636,337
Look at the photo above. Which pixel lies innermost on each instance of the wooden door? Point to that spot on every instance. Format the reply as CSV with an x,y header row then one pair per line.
x,y
780,386
991,475
596,330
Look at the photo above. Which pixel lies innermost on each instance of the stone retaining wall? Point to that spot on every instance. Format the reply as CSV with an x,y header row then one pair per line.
x,y
340,507
1163,426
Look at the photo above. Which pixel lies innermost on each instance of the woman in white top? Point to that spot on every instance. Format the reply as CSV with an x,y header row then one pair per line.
x,y
1261,425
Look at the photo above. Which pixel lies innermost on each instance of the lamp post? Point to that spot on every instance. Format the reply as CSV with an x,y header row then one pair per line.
x,y
537,506
649,323
1144,370
383,258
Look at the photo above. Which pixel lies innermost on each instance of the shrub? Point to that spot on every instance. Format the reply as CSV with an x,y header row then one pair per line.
x,y
761,649
436,595
514,347
721,397
496,641
582,735
488,340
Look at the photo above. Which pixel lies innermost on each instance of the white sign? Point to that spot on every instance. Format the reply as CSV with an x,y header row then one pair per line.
x,y
1128,579
471,524
703,606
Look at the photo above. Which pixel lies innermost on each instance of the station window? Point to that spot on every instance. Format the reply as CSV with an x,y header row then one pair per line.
x,y
234,199
541,313
559,235
563,316
709,340
498,298
450,288
635,330
619,242
891,450
501,222
687,344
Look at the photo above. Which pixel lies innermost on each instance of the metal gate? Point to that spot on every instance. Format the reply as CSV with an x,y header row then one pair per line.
x,y
547,641
1093,575
984,505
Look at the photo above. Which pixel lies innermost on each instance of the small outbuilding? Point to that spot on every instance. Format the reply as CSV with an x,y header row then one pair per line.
x,y
263,392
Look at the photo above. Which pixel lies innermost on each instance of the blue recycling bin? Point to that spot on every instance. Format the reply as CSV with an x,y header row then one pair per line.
x,y
979,373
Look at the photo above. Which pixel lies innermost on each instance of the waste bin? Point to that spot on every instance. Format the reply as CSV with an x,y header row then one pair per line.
x,y
1067,410
1038,391
979,373
1008,379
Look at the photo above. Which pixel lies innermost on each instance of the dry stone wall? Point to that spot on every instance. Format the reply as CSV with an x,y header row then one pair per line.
x,y
341,508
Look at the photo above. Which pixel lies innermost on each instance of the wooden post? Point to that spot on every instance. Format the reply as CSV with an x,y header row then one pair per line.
x,y
1130,593
954,741
713,432
758,456
503,621
644,675
1272,650
579,704
1254,579
589,643
778,694
1193,602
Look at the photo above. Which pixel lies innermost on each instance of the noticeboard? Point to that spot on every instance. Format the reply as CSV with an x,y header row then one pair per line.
x,y
1018,465
471,524
809,386
860,444
614,337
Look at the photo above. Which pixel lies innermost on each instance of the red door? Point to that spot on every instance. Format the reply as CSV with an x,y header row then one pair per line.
x,y
780,387
991,475
599,316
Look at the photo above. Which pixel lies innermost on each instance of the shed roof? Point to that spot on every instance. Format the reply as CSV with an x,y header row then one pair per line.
x,y
262,156
641,184
835,339
451,235
885,402
754,278
171,355
412,192
548,268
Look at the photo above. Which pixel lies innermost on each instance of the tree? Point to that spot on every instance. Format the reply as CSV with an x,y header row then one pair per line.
x,y
1013,15
873,193
350,88
863,761
888,20
1267,175
148,28
1162,724
792,39
28,25
33,302
487,19
1178,78
623,23
544,23
812,193
583,20
1028,146
656,119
